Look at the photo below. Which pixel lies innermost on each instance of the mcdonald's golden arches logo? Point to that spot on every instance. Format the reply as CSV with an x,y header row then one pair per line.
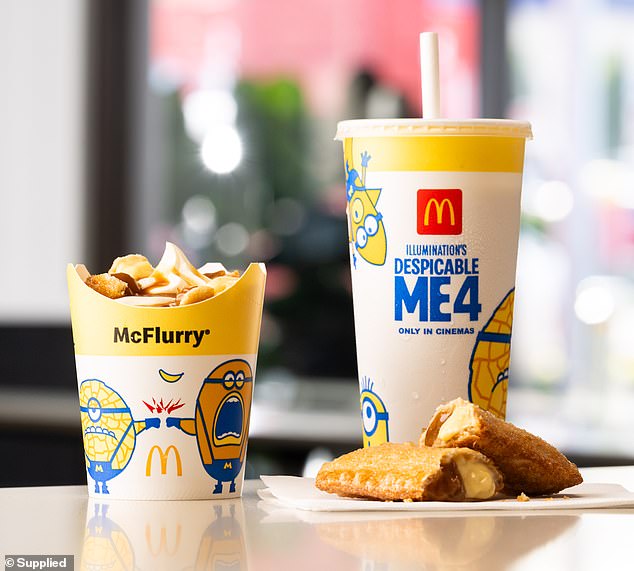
x,y
164,543
439,211
164,457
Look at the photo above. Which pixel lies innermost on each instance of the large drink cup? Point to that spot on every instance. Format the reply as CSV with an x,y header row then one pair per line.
x,y
165,392
433,218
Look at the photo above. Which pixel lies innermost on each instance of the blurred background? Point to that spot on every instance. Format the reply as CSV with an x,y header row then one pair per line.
x,y
210,123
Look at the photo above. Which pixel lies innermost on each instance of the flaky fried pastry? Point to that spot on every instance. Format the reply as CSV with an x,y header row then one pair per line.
x,y
107,285
528,463
408,472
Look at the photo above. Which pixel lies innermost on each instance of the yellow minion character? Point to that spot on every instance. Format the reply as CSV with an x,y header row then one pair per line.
x,y
106,546
109,431
222,545
221,421
374,416
490,360
366,230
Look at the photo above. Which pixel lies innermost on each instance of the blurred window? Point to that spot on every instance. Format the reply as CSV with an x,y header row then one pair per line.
x,y
243,101
572,75
42,164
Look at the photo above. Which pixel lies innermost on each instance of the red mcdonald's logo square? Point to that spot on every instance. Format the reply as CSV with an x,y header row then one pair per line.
x,y
439,211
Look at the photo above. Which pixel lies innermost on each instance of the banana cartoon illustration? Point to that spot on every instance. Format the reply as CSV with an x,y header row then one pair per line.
x,y
170,378
366,231
109,431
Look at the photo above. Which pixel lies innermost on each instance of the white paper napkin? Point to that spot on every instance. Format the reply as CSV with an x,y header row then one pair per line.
x,y
300,493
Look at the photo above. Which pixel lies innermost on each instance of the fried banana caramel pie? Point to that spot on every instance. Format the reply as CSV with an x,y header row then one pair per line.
x,y
408,472
528,463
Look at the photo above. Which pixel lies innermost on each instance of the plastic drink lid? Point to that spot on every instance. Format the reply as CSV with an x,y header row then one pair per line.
x,y
433,127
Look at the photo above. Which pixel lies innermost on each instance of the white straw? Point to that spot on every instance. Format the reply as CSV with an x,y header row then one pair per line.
x,y
430,85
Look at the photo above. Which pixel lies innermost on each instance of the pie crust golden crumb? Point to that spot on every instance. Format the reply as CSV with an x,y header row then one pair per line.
x,y
408,472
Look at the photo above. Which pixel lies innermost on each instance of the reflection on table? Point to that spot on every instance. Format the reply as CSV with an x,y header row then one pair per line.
x,y
123,535
251,534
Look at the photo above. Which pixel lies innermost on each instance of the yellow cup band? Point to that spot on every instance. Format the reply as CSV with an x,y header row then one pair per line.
x,y
443,153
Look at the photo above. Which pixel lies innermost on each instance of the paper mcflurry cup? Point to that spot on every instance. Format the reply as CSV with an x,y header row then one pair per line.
x,y
433,216
165,393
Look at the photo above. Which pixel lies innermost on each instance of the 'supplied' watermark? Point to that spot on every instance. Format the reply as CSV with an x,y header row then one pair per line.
x,y
39,562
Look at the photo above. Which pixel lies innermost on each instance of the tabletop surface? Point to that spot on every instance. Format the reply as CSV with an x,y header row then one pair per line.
x,y
247,534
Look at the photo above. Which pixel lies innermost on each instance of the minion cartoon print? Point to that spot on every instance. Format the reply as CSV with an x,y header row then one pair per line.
x,y
222,545
106,545
366,231
374,415
109,431
221,421
490,360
